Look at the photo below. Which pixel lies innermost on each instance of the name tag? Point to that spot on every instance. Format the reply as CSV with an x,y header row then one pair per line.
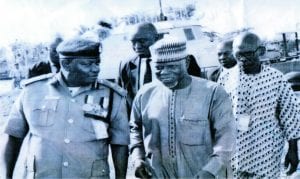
x,y
100,129
243,121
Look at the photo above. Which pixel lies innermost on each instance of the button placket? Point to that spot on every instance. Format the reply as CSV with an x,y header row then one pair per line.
x,y
70,121
65,164
172,126
67,141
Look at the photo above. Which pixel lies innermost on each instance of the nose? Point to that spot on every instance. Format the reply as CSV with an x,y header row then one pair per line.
x,y
164,71
95,68
137,45
242,59
222,57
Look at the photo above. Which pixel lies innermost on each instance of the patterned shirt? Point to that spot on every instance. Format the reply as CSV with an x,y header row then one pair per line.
x,y
267,113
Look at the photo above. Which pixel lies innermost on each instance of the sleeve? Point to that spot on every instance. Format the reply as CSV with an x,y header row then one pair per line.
x,y
119,127
223,129
288,110
137,150
16,125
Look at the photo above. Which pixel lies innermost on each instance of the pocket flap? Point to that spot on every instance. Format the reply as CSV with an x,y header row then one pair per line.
x,y
192,131
100,168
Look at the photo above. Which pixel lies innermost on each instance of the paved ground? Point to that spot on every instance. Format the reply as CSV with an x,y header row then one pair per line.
x,y
5,86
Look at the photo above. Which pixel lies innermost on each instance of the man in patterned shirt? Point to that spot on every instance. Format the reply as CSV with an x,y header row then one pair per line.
x,y
266,111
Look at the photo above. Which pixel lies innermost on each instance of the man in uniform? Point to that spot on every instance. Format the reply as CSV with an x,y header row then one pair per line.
x,y
62,124
181,126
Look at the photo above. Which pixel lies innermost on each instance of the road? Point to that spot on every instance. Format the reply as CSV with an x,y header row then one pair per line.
x,y
5,86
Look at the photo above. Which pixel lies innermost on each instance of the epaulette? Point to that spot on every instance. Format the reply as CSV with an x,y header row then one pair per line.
x,y
36,78
118,89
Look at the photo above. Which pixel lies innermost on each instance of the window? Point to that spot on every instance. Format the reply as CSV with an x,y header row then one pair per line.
x,y
189,34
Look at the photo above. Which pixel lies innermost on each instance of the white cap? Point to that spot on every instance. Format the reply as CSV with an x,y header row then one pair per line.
x,y
168,49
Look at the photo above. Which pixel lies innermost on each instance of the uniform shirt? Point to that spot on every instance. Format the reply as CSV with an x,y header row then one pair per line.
x,y
60,142
173,129
267,113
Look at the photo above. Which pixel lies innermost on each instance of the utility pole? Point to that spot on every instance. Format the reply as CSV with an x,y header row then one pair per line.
x,y
161,15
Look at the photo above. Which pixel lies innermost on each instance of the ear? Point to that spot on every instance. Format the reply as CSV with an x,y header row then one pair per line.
x,y
187,62
159,36
262,50
66,64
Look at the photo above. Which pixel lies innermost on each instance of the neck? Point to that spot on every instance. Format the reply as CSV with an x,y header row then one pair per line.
x,y
71,82
254,70
186,81
230,65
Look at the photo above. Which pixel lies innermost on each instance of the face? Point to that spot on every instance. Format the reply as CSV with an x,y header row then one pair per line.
x,y
83,71
225,56
171,73
247,56
142,40
54,55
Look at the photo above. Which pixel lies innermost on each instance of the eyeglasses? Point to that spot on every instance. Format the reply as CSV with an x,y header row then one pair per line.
x,y
246,54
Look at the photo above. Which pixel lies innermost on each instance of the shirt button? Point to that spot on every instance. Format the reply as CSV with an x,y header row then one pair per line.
x,y
70,121
66,164
67,141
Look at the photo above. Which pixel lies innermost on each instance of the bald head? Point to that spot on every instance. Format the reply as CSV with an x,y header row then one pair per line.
x,y
226,44
225,55
247,41
143,37
247,49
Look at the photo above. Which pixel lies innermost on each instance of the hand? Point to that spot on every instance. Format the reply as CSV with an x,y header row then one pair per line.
x,y
291,158
142,169
204,175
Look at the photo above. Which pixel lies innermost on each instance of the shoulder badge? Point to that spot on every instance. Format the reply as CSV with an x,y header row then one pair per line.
x,y
37,78
118,89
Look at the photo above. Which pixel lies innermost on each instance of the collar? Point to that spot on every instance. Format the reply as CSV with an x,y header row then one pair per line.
x,y
58,80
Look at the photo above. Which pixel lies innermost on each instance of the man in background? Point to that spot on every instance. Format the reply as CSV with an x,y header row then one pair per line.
x,y
225,57
16,75
137,71
44,67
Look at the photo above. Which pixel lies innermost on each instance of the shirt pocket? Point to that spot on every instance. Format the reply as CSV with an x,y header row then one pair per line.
x,y
44,114
100,168
192,130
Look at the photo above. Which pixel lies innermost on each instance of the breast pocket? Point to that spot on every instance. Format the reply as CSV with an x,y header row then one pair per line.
x,y
192,130
44,114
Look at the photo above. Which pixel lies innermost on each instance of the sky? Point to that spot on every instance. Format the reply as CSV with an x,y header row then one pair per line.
x,y
39,20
